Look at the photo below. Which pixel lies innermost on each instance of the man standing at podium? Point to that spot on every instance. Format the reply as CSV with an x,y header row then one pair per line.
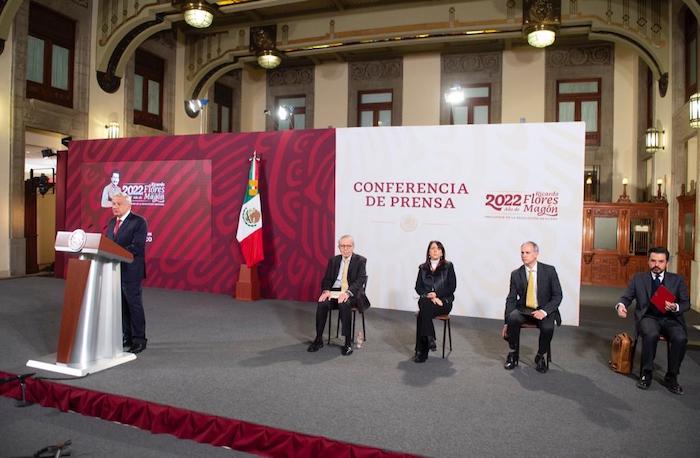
x,y
129,231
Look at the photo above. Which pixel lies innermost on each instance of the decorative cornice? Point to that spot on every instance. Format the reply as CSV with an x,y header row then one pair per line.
x,y
580,56
376,70
290,76
83,3
469,63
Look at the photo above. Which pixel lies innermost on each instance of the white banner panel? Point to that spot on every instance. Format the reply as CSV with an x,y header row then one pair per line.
x,y
481,190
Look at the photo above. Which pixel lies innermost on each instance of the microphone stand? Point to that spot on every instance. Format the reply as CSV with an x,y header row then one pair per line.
x,y
54,451
23,387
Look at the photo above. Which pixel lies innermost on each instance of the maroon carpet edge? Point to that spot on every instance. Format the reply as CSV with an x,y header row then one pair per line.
x,y
187,424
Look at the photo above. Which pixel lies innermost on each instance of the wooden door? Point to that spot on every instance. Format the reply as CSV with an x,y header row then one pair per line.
x,y
686,235
30,229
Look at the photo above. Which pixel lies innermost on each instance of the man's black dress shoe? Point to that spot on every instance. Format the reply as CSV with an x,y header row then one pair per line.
x,y
541,362
672,385
511,361
316,345
644,381
347,350
137,348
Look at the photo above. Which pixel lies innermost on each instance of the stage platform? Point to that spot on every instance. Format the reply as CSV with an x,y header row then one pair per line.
x,y
247,361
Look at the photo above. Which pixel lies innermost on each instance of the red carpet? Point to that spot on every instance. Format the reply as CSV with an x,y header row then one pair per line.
x,y
187,424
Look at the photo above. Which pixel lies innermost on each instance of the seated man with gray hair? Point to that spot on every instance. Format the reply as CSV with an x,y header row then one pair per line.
x,y
342,287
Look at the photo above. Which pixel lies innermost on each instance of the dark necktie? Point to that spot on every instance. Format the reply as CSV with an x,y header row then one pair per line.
x,y
117,223
655,283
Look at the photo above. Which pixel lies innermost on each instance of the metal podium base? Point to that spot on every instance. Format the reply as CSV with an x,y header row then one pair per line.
x,y
48,363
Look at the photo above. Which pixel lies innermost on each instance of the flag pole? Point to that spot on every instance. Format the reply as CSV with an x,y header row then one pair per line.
x,y
248,284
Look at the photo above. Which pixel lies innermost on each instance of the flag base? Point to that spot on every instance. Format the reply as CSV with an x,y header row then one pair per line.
x,y
248,285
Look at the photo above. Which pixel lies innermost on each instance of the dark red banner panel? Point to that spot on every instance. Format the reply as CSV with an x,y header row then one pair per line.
x,y
173,196
190,189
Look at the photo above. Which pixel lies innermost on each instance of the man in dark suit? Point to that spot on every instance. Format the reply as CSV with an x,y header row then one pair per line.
x,y
129,231
343,286
534,297
650,322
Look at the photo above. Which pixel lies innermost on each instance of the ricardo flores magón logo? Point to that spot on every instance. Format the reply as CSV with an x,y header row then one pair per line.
x,y
518,205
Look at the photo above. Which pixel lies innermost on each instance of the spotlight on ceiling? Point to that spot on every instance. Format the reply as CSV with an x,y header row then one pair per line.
x,y
194,106
284,112
541,21
263,42
198,14
455,95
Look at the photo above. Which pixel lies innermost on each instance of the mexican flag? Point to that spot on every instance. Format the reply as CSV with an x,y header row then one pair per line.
x,y
249,233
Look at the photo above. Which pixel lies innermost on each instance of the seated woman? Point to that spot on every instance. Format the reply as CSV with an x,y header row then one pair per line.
x,y
436,284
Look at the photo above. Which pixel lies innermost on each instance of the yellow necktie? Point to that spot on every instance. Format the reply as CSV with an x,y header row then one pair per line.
x,y
344,276
530,300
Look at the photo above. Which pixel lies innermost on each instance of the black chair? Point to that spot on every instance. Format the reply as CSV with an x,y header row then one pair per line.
x,y
355,310
634,351
446,327
548,359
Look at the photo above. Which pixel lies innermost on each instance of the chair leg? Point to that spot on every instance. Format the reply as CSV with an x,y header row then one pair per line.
x,y
364,331
337,326
330,319
352,337
449,333
634,353
444,331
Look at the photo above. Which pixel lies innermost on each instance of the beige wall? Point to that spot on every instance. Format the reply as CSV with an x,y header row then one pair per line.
x,y
5,143
626,105
331,95
183,124
253,99
523,85
103,108
421,90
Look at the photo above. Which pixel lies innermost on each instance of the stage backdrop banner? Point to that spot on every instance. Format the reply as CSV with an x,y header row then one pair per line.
x,y
189,188
481,190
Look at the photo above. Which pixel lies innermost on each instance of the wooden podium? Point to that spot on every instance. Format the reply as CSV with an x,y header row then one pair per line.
x,y
90,338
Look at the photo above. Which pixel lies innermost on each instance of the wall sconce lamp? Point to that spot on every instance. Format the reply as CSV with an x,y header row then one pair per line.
x,y
198,14
195,106
455,95
48,152
263,42
659,197
694,108
112,129
653,140
624,197
541,21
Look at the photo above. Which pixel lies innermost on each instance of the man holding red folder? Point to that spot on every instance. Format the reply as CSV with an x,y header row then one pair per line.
x,y
662,298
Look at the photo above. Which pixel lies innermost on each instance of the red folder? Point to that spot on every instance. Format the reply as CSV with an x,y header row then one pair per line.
x,y
660,297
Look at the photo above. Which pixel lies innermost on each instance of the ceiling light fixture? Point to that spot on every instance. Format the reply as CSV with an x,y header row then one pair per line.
x,y
541,21
263,42
198,14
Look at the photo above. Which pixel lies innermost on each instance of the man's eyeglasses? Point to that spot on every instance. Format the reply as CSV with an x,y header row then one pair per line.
x,y
344,246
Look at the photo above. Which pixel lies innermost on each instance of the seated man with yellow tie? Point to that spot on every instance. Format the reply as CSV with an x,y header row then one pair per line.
x,y
534,297
342,287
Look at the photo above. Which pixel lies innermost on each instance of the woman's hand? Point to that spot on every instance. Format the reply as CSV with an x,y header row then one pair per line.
x,y
437,301
431,295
